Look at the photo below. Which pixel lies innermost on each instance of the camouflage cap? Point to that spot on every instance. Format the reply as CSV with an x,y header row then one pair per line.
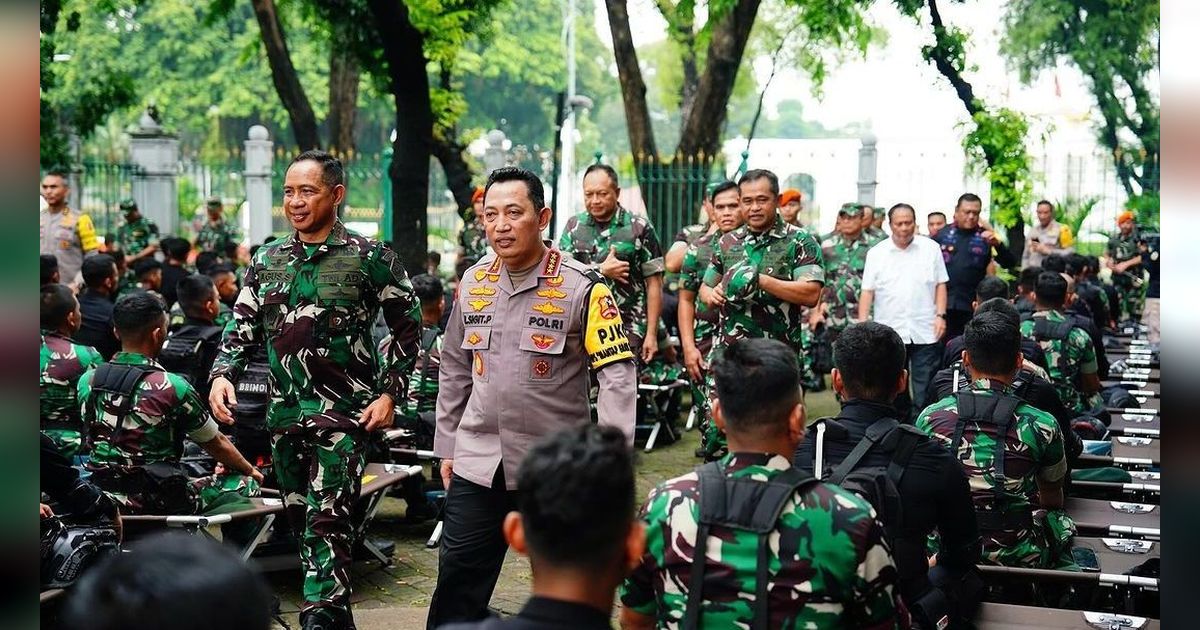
x,y
213,201
128,205
850,210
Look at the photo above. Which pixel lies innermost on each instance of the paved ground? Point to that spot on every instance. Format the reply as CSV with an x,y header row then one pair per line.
x,y
398,596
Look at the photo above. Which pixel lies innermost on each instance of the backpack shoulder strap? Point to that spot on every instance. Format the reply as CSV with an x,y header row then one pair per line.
x,y
907,440
1046,330
122,380
875,433
711,495
1002,417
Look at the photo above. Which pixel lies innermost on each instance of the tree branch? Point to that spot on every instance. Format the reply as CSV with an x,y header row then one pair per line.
x,y
939,53
633,87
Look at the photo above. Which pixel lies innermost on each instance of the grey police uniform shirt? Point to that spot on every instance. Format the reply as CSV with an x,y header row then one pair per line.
x,y
515,364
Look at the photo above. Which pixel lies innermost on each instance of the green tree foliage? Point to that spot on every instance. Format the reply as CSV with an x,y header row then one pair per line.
x,y
1114,43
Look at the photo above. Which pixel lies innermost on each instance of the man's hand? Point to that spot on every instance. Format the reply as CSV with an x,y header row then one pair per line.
x,y
939,327
990,237
693,361
713,297
816,317
45,510
256,475
222,399
447,471
615,268
379,414
649,347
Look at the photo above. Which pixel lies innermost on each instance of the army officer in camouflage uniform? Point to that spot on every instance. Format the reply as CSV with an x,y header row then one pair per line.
x,y
138,236
625,249
845,255
761,274
527,325
312,298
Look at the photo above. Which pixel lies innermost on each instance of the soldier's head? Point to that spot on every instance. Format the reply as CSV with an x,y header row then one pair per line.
x,y
477,203
206,261
433,260
934,222
869,361
867,218
791,202
600,191
992,347
198,297
176,249
727,206
759,189
759,401
462,265
850,222
60,310
171,581
592,543
431,293
129,208
213,207
514,215
1001,306
1077,265
1051,290
226,282
903,220
313,188
967,210
1125,222
1028,282
140,321
1044,212
149,273
988,288
49,268
100,273
55,188
1054,262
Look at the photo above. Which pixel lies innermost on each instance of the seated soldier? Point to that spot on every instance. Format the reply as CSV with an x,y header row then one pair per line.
x,y
62,363
1032,383
1024,300
579,551
137,415
764,564
175,268
929,484
1081,315
991,288
49,269
1011,451
148,272
1069,349
191,347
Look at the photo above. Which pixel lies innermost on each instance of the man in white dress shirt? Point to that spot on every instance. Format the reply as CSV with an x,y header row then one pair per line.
x,y
905,281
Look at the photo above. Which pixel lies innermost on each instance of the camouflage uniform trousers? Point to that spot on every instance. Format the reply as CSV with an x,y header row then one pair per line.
x,y
213,494
68,442
1132,298
319,470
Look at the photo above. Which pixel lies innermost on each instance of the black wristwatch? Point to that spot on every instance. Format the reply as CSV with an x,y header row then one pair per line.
x,y
942,315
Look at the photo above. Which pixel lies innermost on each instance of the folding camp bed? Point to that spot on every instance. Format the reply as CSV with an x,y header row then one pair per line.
x,y
656,401
1139,373
377,478
49,595
1127,519
1143,423
1119,555
1011,617
1127,451
1135,387
1145,403
1138,357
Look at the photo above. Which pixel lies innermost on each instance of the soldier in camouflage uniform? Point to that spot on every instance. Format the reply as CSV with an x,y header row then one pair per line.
x,y
760,275
1070,355
138,237
472,239
423,384
845,257
217,235
838,574
312,299
1015,531
1124,261
698,322
625,249
872,223
62,363
137,415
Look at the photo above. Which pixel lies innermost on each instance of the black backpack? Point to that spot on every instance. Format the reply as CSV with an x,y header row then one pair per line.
x,y
998,411
748,505
189,352
1046,331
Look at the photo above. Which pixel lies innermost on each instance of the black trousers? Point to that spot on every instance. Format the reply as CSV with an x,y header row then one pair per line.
x,y
472,550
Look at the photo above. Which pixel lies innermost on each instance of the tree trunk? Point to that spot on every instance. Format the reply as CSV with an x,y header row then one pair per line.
x,y
283,74
343,92
449,153
409,173
702,126
633,88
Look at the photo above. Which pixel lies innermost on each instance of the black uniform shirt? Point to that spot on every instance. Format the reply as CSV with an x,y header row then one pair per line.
x,y
543,613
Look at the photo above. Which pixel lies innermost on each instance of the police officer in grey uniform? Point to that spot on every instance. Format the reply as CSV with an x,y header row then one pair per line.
x,y
528,324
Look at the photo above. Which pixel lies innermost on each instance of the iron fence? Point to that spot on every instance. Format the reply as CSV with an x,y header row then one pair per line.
x,y
102,187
